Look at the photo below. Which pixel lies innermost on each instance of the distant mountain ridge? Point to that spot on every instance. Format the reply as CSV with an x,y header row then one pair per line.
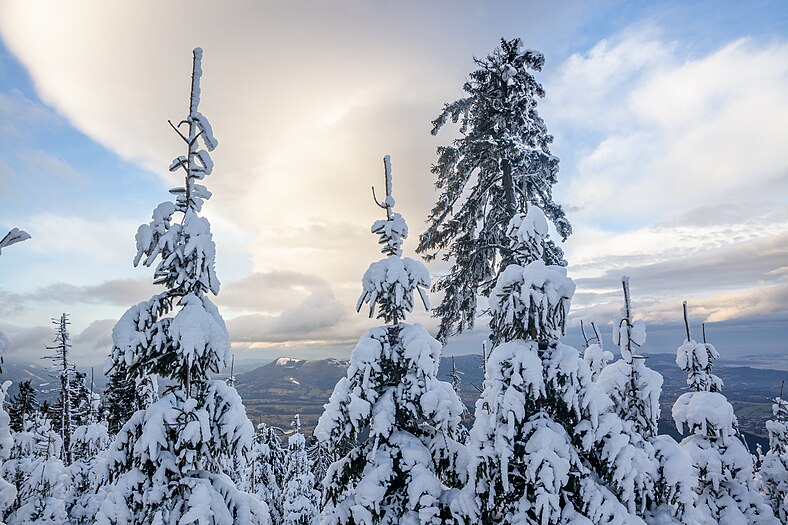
x,y
276,391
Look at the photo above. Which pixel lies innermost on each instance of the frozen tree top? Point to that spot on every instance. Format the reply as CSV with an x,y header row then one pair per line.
x,y
389,284
704,413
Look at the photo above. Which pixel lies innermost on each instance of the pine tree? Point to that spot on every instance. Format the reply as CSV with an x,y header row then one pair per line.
x,y
501,162
301,502
773,472
62,411
165,465
402,420
726,487
23,406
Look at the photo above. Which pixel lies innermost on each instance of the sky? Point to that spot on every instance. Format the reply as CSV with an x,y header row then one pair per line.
x,y
670,120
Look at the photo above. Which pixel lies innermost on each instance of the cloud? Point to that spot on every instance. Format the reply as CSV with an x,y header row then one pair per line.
x,y
270,291
95,340
673,162
671,132
28,341
314,319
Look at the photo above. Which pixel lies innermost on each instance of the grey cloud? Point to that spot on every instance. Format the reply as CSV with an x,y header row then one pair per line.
x,y
313,319
97,336
272,290
119,292
733,213
28,341
732,266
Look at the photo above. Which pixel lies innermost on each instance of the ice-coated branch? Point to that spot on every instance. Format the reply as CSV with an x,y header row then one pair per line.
x,y
14,236
194,97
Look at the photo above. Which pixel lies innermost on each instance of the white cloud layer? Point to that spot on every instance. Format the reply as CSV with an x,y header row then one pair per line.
x,y
673,166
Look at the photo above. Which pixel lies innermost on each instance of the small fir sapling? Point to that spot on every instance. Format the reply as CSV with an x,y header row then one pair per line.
x,y
726,491
663,480
165,465
301,502
501,161
266,470
89,443
773,472
401,420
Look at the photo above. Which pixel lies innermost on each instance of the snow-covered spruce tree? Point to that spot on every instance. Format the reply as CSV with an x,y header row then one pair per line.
x,y
545,448
266,470
62,368
320,457
165,463
120,399
773,474
501,161
726,491
401,418
41,476
88,445
300,500
23,406
663,480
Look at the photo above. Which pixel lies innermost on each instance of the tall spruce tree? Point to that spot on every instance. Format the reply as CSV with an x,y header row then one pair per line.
x,y
499,164
726,491
165,465
402,420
